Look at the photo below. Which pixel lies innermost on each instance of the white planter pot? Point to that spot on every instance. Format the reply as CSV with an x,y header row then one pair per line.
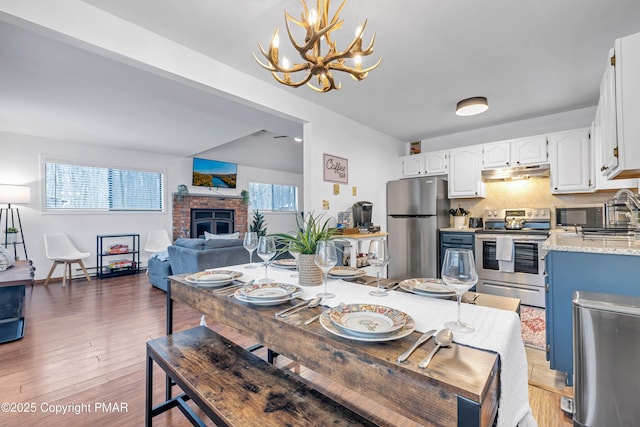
x,y
309,274
12,237
459,221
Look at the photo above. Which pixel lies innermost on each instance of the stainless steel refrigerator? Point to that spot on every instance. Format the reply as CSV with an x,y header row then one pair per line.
x,y
416,209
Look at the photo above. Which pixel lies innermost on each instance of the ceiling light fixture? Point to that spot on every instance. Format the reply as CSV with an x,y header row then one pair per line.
x,y
318,39
472,106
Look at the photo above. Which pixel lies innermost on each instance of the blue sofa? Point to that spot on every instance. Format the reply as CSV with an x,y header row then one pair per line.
x,y
193,255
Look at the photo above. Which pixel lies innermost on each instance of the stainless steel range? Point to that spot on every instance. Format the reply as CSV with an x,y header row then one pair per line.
x,y
509,253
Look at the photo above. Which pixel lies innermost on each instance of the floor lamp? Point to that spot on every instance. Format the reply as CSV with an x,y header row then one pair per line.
x,y
14,194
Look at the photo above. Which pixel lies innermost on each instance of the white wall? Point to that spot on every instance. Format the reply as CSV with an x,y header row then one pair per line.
x,y
20,164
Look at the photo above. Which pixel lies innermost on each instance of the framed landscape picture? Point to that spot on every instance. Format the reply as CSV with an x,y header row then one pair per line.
x,y
335,169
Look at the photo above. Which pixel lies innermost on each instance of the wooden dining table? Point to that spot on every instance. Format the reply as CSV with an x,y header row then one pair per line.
x,y
460,387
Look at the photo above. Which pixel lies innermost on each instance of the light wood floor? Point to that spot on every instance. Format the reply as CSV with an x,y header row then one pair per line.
x,y
84,348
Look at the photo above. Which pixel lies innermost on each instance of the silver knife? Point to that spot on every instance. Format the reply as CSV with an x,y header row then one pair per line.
x,y
423,338
305,302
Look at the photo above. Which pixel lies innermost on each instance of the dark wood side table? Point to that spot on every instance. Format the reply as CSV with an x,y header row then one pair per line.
x,y
12,291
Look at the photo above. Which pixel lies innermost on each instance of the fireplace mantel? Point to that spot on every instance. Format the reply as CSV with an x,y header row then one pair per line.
x,y
214,196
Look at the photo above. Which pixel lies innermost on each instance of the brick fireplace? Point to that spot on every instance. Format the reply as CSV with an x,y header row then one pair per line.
x,y
227,214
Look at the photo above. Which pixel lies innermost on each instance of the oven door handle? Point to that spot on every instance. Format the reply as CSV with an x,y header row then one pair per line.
x,y
515,240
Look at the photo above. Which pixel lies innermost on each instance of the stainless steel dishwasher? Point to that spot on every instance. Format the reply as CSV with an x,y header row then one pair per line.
x,y
606,357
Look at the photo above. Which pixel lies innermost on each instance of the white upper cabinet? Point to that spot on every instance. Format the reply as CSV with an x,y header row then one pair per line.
x,y
529,151
598,139
519,152
433,163
497,155
620,109
464,172
436,163
412,165
570,162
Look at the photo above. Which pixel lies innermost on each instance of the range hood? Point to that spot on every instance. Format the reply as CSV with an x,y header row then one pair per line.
x,y
520,172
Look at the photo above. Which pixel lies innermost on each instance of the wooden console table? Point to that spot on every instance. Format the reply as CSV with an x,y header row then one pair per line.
x,y
12,292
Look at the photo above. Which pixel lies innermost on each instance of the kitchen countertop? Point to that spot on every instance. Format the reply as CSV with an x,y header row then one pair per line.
x,y
570,242
460,230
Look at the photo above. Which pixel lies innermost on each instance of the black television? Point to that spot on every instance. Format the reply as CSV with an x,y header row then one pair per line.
x,y
214,174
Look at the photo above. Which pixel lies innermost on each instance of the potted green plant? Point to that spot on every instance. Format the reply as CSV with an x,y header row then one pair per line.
x,y
258,224
311,229
12,234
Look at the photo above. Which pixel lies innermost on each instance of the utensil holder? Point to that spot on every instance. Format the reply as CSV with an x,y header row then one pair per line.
x,y
459,221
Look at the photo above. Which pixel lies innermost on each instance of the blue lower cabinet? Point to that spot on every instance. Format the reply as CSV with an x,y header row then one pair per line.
x,y
568,272
455,239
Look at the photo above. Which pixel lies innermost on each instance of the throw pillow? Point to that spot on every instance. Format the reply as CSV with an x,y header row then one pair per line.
x,y
209,236
6,260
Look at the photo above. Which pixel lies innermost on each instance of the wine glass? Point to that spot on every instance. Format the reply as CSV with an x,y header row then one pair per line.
x,y
459,274
266,251
378,257
250,243
295,253
326,258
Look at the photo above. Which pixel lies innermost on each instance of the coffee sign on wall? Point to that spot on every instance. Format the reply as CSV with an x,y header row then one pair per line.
x,y
335,169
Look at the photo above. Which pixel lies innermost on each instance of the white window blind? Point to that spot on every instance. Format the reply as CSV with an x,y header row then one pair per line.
x,y
273,197
89,188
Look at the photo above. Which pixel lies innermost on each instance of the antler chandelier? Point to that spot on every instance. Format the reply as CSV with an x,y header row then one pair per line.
x,y
318,39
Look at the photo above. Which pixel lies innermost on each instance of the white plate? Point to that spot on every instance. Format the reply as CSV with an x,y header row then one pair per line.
x,y
239,297
425,286
367,320
213,276
327,324
268,291
284,263
346,272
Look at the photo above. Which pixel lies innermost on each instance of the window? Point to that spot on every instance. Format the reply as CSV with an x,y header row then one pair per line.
x,y
90,188
273,197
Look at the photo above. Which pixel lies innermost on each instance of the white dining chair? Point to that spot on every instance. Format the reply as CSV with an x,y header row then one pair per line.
x,y
59,249
157,241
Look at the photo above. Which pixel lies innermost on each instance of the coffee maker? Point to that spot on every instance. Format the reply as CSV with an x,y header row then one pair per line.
x,y
362,214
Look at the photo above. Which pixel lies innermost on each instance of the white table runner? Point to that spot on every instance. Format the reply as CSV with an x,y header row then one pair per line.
x,y
495,330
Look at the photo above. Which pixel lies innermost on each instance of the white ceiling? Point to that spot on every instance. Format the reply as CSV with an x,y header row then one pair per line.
x,y
529,59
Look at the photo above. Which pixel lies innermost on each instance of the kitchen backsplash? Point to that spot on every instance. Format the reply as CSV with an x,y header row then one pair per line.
x,y
527,193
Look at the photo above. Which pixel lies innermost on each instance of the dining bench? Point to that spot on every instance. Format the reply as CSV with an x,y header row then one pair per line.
x,y
234,387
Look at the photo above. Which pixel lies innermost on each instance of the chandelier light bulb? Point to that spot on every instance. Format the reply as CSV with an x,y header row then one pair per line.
x,y
357,59
285,62
275,41
313,17
359,31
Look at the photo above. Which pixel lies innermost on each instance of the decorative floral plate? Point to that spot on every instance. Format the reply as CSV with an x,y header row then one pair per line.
x,y
284,263
367,319
213,278
275,301
427,286
346,272
268,291
405,330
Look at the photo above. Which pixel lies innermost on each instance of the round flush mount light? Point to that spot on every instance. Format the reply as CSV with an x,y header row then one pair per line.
x,y
472,106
